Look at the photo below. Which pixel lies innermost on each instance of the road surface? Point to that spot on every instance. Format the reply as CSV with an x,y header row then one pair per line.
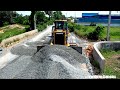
x,y
19,58
7,56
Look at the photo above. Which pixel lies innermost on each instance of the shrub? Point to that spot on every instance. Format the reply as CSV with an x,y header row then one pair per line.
x,y
5,23
41,27
71,27
96,34
77,26
27,28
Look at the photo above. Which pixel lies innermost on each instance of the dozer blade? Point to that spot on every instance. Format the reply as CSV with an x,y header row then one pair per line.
x,y
39,47
75,47
79,49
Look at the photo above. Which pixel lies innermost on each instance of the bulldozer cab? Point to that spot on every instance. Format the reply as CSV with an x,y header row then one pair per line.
x,y
60,32
61,24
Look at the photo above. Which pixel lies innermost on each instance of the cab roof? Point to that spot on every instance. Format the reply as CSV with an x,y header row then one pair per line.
x,y
61,20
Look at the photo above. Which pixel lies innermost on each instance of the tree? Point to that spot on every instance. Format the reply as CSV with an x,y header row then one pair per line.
x,y
10,14
71,17
6,16
32,20
49,13
57,15
20,19
41,18
63,17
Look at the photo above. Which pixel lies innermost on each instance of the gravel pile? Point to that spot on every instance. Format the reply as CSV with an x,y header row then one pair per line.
x,y
15,67
50,62
56,62
29,48
24,50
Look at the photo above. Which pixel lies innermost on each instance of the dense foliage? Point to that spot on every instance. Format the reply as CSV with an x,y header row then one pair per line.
x,y
6,17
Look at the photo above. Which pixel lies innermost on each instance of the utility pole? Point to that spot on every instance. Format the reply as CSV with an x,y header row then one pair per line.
x,y
75,14
66,14
108,29
75,17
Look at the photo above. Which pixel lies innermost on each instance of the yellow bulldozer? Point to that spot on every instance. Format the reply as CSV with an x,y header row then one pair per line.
x,y
60,34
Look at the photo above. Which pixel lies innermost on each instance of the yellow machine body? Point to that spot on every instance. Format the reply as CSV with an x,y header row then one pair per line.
x,y
60,33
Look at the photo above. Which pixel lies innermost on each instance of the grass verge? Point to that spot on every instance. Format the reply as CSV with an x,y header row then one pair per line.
x,y
112,63
10,33
94,33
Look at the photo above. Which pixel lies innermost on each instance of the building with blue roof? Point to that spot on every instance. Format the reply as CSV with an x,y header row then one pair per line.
x,y
97,18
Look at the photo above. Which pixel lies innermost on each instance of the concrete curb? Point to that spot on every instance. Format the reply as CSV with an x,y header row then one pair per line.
x,y
104,45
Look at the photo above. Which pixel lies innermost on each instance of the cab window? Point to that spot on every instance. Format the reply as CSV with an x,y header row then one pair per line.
x,y
59,25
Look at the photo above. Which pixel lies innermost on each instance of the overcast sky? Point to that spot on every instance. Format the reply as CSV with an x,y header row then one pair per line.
x,y
74,13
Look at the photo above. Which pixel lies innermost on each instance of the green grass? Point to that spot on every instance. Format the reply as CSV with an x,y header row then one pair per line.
x,y
91,32
114,33
84,31
112,63
41,27
16,31
10,33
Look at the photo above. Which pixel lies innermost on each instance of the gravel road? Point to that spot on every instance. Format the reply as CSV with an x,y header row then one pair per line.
x,y
9,55
50,62
80,42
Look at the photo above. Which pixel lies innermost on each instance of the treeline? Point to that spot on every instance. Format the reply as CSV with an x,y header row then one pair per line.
x,y
6,17
43,18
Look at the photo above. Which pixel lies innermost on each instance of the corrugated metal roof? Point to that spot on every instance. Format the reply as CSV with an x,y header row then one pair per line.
x,y
89,14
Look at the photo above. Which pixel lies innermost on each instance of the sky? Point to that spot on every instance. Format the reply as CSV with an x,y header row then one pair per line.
x,y
74,13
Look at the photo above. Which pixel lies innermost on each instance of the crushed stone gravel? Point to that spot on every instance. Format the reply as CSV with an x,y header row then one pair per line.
x,y
56,62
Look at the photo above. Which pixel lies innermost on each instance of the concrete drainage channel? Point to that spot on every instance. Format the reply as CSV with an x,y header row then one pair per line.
x,y
114,45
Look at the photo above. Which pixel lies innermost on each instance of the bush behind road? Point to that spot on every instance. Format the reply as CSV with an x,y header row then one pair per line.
x,y
94,32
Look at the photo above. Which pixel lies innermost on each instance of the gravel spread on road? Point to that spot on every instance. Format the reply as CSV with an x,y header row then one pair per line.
x,y
50,62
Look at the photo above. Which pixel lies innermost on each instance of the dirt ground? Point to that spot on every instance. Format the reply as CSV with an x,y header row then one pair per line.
x,y
11,27
117,57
